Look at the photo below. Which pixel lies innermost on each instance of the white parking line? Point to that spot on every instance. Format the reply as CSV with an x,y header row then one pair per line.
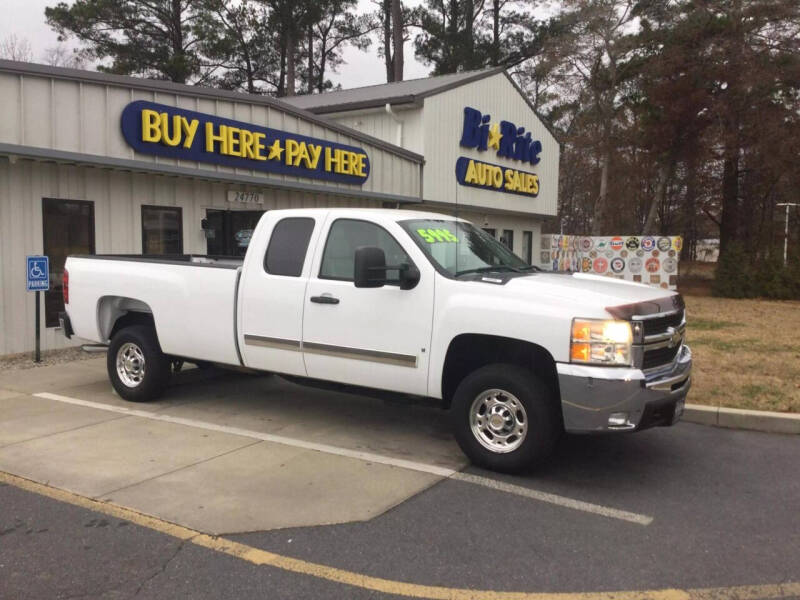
x,y
443,472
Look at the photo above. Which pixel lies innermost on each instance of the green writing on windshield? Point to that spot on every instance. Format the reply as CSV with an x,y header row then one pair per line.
x,y
432,236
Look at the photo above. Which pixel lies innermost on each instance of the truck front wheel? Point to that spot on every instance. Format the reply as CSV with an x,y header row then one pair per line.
x,y
505,418
137,368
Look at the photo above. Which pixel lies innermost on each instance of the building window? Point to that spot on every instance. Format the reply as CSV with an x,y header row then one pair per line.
x,y
68,228
508,239
345,236
287,246
228,232
527,247
162,230
490,231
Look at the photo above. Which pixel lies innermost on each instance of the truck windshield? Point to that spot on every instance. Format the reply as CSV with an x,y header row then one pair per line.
x,y
460,248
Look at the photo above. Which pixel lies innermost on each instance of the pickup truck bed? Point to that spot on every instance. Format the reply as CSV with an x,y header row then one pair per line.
x,y
165,287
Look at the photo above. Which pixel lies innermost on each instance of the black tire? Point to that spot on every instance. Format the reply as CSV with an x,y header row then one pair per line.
x,y
131,342
539,413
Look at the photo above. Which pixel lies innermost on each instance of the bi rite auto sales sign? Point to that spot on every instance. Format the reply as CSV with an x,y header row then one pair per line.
x,y
507,141
187,135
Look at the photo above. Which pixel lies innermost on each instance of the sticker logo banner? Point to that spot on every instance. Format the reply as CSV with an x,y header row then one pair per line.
x,y
630,258
167,131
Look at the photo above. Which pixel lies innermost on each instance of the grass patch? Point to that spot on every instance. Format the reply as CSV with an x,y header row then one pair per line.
x,y
710,325
745,353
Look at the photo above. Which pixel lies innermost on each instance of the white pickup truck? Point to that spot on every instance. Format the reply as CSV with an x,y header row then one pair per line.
x,y
396,302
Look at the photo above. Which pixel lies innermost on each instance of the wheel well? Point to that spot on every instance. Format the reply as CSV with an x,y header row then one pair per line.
x,y
469,352
116,312
132,318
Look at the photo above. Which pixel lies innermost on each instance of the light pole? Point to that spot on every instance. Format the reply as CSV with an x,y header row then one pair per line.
x,y
786,229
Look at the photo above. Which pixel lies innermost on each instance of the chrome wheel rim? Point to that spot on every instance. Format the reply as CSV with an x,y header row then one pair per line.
x,y
130,364
498,421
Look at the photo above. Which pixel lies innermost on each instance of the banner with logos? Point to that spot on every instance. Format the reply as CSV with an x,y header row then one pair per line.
x,y
643,259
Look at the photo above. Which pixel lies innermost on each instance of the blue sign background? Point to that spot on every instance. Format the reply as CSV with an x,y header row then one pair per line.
x,y
38,273
461,176
131,122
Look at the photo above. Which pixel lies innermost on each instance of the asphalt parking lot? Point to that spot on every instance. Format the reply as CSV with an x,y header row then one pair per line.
x,y
235,486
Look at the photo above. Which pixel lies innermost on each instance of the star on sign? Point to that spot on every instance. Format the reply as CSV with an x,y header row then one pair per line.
x,y
494,137
275,150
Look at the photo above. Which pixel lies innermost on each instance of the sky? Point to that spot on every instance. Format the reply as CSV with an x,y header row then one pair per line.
x,y
25,18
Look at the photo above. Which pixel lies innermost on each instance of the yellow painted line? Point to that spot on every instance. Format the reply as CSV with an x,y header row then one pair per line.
x,y
257,556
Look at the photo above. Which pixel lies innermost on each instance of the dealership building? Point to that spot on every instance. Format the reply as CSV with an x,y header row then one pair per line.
x,y
98,163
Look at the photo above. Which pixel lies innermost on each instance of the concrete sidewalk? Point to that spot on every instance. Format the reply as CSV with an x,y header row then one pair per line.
x,y
208,480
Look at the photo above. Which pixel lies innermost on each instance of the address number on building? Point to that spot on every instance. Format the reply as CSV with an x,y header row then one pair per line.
x,y
245,197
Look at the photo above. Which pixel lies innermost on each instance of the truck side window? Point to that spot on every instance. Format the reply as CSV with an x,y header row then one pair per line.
x,y
348,234
288,245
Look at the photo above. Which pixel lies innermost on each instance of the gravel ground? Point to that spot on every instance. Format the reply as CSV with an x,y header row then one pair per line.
x,y
49,357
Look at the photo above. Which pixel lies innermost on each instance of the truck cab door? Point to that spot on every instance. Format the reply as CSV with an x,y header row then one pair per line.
x,y
272,292
372,337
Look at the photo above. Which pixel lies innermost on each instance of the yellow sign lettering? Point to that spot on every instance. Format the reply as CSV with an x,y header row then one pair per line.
x,y
151,126
221,137
189,129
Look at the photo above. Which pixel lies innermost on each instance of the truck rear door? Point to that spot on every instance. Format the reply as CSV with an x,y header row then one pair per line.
x,y
272,292
373,337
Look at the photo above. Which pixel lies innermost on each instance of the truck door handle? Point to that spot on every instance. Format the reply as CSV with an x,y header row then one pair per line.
x,y
325,299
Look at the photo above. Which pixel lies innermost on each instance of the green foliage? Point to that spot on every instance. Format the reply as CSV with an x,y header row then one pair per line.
x,y
738,275
138,37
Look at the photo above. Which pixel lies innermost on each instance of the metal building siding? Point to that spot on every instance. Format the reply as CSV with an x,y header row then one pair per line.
x,y
443,121
378,123
118,197
84,117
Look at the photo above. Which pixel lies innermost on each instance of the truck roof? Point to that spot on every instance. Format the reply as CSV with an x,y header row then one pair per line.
x,y
393,214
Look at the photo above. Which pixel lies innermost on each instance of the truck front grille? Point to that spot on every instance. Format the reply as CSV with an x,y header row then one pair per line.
x,y
660,339
659,356
660,324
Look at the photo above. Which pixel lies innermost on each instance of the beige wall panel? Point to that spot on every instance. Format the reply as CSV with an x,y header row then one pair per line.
x,y
118,99
36,123
444,115
95,131
89,122
10,103
67,120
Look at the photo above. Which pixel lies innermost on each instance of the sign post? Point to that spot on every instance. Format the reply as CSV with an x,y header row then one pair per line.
x,y
38,280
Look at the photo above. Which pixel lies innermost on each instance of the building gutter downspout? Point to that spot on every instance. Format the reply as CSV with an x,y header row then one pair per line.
x,y
399,121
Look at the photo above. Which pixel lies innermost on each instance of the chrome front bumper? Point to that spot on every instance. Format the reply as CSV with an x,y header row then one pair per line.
x,y
607,399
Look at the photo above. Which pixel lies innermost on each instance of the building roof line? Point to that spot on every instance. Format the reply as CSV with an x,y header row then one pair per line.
x,y
392,92
15,151
169,87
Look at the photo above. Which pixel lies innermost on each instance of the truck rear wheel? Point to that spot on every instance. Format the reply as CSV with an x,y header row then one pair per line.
x,y
137,368
504,418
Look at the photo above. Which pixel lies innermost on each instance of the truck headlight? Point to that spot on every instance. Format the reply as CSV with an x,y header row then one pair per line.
x,y
597,341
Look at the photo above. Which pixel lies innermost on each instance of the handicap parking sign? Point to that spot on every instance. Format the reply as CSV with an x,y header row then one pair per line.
x,y
38,271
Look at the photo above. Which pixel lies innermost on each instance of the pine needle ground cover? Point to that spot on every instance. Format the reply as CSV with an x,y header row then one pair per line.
x,y
746,353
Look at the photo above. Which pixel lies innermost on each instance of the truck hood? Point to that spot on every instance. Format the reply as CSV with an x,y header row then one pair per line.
x,y
596,291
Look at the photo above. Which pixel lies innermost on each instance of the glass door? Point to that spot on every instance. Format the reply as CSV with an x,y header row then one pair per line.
x,y
68,228
229,231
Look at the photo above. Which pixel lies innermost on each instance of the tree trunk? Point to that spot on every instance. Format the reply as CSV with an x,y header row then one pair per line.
x,y
397,39
290,75
310,78
496,33
469,41
664,175
689,250
281,91
729,220
179,72
598,225
387,40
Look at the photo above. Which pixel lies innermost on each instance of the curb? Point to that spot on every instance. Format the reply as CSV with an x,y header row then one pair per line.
x,y
737,418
